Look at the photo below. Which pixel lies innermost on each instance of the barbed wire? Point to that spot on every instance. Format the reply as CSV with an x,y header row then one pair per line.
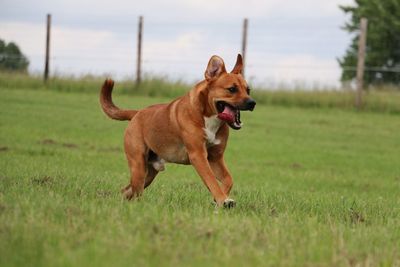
x,y
194,62
297,34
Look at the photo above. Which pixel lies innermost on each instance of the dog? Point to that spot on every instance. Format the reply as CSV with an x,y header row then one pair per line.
x,y
192,129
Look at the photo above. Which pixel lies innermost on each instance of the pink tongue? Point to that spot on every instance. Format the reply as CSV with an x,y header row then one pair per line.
x,y
227,115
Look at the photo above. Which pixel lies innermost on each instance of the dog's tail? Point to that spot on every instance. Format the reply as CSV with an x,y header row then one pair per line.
x,y
108,106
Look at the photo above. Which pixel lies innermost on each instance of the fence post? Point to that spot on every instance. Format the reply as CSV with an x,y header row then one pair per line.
x,y
244,43
361,61
139,52
47,57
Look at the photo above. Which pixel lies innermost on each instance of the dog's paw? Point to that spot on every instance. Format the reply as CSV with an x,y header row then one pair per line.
x,y
127,192
229,203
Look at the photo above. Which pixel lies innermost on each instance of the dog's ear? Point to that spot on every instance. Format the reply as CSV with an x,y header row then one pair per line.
x,y
238,66
215,68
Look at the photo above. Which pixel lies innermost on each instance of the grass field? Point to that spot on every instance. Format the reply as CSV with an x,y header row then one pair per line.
x,y
383,99
314,187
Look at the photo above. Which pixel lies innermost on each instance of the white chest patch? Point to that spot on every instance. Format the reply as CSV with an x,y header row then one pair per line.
x,y
212,125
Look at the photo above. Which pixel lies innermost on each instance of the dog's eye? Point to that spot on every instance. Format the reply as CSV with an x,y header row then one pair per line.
x,y
233,89
248,90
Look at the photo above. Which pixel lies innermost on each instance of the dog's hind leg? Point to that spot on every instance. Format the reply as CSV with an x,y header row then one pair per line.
x,y
154,165
138,176
136,154
151,174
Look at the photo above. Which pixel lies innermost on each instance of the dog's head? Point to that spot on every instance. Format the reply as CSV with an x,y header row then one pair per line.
x,y
227,93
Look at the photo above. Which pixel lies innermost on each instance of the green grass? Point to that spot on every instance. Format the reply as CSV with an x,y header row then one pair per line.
x,y
385,99
314,187
150,86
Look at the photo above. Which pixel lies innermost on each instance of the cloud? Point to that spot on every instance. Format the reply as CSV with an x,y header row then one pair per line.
x,y
122,11
72,51
83,51
30,38
298,70
181,35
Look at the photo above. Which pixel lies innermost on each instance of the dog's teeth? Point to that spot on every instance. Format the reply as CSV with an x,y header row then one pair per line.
x,y
238,125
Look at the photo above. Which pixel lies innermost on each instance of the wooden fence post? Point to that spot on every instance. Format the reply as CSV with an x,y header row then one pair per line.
x,y
139,52
361,61
244,43
47,57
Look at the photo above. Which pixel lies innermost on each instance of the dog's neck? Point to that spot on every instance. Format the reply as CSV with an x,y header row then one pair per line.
x,y
211,127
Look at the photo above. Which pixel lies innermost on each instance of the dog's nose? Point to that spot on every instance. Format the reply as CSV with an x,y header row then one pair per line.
x,y
250,104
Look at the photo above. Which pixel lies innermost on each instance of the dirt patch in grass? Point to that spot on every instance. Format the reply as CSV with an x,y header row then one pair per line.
x,y
3,148
69,145
2,208
296,165
44,180
109,149
356,217
104,193
49,141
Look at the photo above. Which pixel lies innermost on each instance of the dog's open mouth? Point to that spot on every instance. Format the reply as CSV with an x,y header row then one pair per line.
x,y
229,114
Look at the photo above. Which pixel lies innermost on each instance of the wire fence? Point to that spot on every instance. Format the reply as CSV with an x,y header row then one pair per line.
x,y
291,52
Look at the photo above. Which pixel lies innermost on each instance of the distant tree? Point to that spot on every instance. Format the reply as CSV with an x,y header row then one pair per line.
x,y
383,40
11,57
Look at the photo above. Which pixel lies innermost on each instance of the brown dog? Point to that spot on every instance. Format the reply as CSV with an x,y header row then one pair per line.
x,y
192,129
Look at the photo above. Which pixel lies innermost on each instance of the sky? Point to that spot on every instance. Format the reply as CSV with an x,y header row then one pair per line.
x,y
290,43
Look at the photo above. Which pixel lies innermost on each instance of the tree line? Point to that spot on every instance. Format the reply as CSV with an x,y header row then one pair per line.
x,y
383,41
11,57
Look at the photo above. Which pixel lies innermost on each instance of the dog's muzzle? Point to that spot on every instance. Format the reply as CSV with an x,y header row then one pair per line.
x,y
231,113
249,104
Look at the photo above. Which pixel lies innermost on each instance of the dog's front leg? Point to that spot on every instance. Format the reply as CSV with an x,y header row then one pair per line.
x,y
221,171
198,158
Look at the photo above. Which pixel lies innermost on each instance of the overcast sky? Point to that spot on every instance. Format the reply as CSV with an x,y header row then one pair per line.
x,y
289,41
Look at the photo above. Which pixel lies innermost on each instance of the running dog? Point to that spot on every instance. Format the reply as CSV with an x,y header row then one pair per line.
x,y
192,129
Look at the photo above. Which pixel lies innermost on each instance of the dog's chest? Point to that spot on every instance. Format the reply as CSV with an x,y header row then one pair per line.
x,y
211,127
